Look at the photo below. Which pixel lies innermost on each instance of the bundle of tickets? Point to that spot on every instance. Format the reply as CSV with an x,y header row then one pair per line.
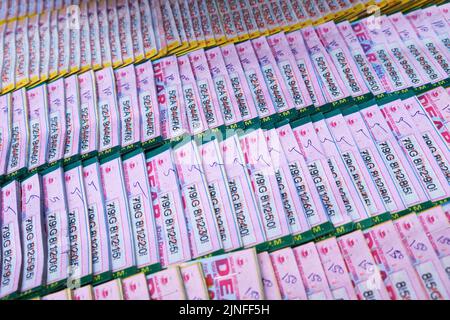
x,y
45,40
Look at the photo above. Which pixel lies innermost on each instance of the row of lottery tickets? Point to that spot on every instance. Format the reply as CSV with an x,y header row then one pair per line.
x,y
328,174
255,82
45,40
395,261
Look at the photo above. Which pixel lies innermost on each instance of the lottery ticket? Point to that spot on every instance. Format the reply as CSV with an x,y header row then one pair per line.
x,y
98,37
80,254
86,52
335,270
141,211
226,16
213,167
196,23
125,35
18,152
205,22
53,58
38,125
167,207
187,23
83,293
65,294
184,43
9,57
63,44
216,23
148,35
88,113
72,117
288,275
111,290
269,280
123,259
136,30
98,228
11,240
6,112
194,281
57,226
33,48
114,33
312,272
56,120
22,54
168,21
158,27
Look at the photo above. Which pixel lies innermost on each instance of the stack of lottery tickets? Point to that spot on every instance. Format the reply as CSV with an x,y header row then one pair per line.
x,y
224,150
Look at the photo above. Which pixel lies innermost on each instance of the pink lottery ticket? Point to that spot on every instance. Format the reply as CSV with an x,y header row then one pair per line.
x,y
243,21
168,22
324,67
187,22
197,204
56,120
233,276
401,54
194,282
430,68
148,102
292,203
278,14
135,287
335,270
322,166
80,254
105,44
434,104
405,180
141,211
437,228
205,21
167,207
342,59
429,39
206,89
22,54
11,242
179,22
264,183
97,217
166,285
245,206
62,295
83,293
239,83
374,163
445,10
424,258
194,110
170,98
362,268
397,271
32,226
57,226
216,23
312,272
312,212
288,275
18,151
216,177
306,68
88,113
255,79
74,24
289,71
368,191
117,213
111,290
429,134
130,120
158,27
421,159
124,26
136,30
277,89
33,48
269,279
114,33
53,57
299,11
97,37
9,57
365,68
72,117
63,43
38,125
226,16
85,51
377,54
223,86
108,110
269,17
6,113
148,35
257,14
196,24
2,36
